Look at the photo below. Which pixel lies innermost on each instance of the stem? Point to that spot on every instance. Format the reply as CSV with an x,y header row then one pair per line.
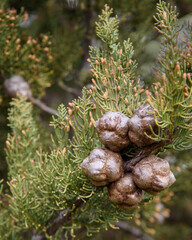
x,y
134,231
144,152
38,237
43,106
68,89
2,77
63,218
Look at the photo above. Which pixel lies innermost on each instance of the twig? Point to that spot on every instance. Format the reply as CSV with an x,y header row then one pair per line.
x,y
2,77
145,151
38,237
43,106
132,230
68,89
63,218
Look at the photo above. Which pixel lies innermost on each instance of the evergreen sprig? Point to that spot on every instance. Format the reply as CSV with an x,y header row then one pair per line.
x,y
22,54
172,91
115,85
47,186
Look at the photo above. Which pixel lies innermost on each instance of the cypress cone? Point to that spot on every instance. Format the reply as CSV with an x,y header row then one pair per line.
x,y
112,129
17,85
153,174
125,192
102,166
139,126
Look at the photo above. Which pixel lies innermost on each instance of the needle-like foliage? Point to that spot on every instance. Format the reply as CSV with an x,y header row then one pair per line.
x,y
48,190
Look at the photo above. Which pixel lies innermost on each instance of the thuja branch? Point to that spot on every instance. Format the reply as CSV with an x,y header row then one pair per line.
x,y
144,152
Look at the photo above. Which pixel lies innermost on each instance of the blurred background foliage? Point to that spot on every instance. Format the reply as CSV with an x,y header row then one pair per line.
x,y
68,28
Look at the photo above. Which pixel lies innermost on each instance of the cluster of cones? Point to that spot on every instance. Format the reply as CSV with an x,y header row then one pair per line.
x,y
104,166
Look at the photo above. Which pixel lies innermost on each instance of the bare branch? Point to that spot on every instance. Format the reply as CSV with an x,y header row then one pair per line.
x,y
63,218
132,230
43,106
68,89
38,237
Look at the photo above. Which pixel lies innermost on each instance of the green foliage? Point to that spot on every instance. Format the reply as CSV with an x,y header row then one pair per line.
x,y
172,94
23,140
23,55
45,183
22,152
116,86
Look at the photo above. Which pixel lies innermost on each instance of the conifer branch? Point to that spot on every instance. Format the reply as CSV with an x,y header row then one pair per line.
x,y
42,184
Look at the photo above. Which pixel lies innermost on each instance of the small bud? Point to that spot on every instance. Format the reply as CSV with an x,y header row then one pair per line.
x,y
70,111
93,81
164,78
105,95
94,106
67,128
184,76
72,105
90,124
147,93
188,75
178,67
18,40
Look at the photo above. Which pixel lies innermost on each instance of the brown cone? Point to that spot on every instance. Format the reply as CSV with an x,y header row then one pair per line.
x,y
112,129
139,126
153,174
125,192
102,166
17,85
